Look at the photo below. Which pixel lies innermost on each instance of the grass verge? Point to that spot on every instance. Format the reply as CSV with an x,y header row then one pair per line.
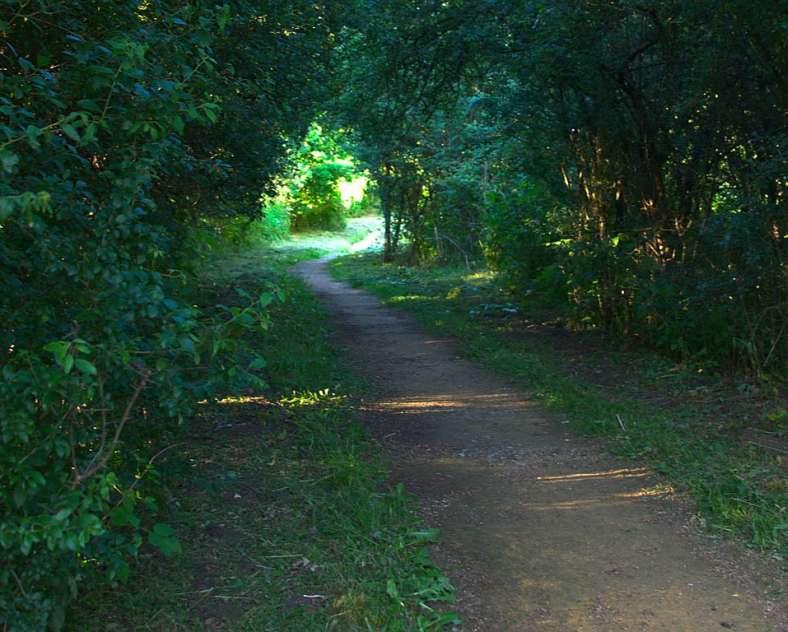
x,y
687,426
279,501
316,243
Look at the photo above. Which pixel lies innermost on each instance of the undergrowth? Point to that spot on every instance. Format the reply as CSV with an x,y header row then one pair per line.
x,y
280,503
737,487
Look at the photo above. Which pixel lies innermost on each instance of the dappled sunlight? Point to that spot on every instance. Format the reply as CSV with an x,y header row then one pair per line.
x,y
614,474
372,241
598,498
419,404
412,298
448,402
603,500
352,190
299,398
359,234
658,490
241,399
482,275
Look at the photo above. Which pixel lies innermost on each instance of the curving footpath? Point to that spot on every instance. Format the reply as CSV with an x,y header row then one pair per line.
x,y
541,530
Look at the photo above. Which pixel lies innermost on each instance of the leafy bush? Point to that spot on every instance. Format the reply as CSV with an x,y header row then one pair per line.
x,y
319,164
517,233
316,202
456,221
367,205
319,189
126,129
647,144
275,223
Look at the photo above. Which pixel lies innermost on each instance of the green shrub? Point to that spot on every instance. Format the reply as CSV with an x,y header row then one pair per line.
x,y
316,202
517,233
126,131
275,223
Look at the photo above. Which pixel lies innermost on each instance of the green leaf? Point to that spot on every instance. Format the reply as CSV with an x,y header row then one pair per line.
x,y
257,363
123,516
7,207
26,545
8,160
162,536
119,571
32,132
89,133
391,589
70,541
209,112
69,131
187,344
81,345
85,366
61,515
59,349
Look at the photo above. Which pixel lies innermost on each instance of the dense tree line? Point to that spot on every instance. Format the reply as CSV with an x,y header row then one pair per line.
x,y
627,157
128,131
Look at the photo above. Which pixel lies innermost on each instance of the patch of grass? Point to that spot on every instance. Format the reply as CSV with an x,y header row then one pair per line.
x,y
737,487
330,242
280,502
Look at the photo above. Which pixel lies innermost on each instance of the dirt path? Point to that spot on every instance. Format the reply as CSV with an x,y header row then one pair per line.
x,y
541,530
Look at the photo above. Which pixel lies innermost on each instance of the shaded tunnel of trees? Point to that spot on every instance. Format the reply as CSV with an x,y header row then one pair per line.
x,y
629,157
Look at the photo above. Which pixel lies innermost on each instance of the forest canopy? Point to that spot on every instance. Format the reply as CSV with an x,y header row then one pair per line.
x,y
629,157
128,131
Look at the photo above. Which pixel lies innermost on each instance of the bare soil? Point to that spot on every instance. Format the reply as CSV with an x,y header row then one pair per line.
x,y
541,530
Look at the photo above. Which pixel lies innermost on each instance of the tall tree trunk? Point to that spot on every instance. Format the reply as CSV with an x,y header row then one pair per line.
x,y
385,205
388,249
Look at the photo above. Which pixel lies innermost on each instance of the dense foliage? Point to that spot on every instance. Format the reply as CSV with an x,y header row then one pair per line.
x,y
319,188
319,165
125,127
245,491
628,157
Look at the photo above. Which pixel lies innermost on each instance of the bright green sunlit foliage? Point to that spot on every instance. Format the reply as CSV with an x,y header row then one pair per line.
x,y
321,189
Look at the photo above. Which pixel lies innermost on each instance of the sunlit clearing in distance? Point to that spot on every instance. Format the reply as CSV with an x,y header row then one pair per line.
x,y
352,190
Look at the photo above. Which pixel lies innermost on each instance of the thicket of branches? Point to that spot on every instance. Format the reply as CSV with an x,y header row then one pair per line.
x,y
629,157
125,129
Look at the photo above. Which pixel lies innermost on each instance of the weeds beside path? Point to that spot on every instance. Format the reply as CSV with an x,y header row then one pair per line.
x,y
540,529
705,434
279,499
